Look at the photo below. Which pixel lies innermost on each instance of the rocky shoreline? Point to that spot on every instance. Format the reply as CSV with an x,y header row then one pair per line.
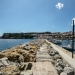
x,y
19,60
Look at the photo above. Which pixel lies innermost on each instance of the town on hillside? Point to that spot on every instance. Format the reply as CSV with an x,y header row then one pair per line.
x,y
38,35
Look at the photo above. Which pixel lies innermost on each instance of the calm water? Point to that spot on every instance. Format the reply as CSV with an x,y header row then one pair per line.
x,y
9,43
66,43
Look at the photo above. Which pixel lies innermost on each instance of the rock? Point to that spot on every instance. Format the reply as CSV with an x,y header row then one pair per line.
x,y
67,65
11,70
18,55
22,66
29,66
4,62
31,51
21,59
1,55
63,73
1,73
59,60
27,47
14,56
57,56
52,61
69,70
56,52
60,64
52,53
59,69
1,64
5,59
49,47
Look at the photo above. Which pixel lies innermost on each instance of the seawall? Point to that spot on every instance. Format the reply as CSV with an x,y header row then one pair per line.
x,y
38,57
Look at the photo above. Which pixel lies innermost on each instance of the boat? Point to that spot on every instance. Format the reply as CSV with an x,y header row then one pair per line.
x,y
68,47
58,42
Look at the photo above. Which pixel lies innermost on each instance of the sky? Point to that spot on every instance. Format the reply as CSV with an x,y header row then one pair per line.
x,y
36,15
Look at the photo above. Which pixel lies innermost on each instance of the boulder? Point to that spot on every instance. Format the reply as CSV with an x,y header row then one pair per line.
x,y
13,56
60,63
59,69
1,64
57,56
1,73
19,55
56,52
27,47
5,59
63,73
11,70
52,61
29,66
69,70
1,55
21,59
4,62
59,60
22,66
53,52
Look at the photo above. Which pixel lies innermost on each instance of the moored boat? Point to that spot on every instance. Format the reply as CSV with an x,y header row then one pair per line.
x,y
58,42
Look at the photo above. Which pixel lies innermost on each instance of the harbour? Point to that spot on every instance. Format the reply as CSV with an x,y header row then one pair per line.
x,y
66,44
8,43
37,57
37,37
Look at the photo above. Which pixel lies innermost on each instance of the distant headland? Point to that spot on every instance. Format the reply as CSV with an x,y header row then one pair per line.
x,y
32,35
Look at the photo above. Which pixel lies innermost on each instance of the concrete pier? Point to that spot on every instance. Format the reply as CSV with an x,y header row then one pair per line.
x,y
38,57
65,56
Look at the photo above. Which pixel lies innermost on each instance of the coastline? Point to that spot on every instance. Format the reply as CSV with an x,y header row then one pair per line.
x,y
24,57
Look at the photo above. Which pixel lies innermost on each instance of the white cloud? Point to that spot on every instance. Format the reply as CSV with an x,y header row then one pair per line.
x,y
59,6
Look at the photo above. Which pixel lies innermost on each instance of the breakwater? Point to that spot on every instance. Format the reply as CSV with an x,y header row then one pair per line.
x,y
37,57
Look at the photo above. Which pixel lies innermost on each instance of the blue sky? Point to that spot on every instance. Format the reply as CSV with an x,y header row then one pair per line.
x,y
36,15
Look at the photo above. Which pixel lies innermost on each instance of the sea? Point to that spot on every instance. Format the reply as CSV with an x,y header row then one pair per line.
x,y
9,43
68,45
65,42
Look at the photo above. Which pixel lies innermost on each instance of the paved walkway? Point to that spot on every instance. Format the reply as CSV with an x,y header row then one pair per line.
x,y
43,65
42,54
44,68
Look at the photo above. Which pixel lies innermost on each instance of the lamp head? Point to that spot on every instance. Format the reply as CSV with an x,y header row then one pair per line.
x,y
73,20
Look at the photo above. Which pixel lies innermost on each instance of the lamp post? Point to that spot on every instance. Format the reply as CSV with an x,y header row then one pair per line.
x,y
73,36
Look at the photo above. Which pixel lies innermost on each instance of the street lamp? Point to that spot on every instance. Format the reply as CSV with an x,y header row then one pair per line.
x,y
73,22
